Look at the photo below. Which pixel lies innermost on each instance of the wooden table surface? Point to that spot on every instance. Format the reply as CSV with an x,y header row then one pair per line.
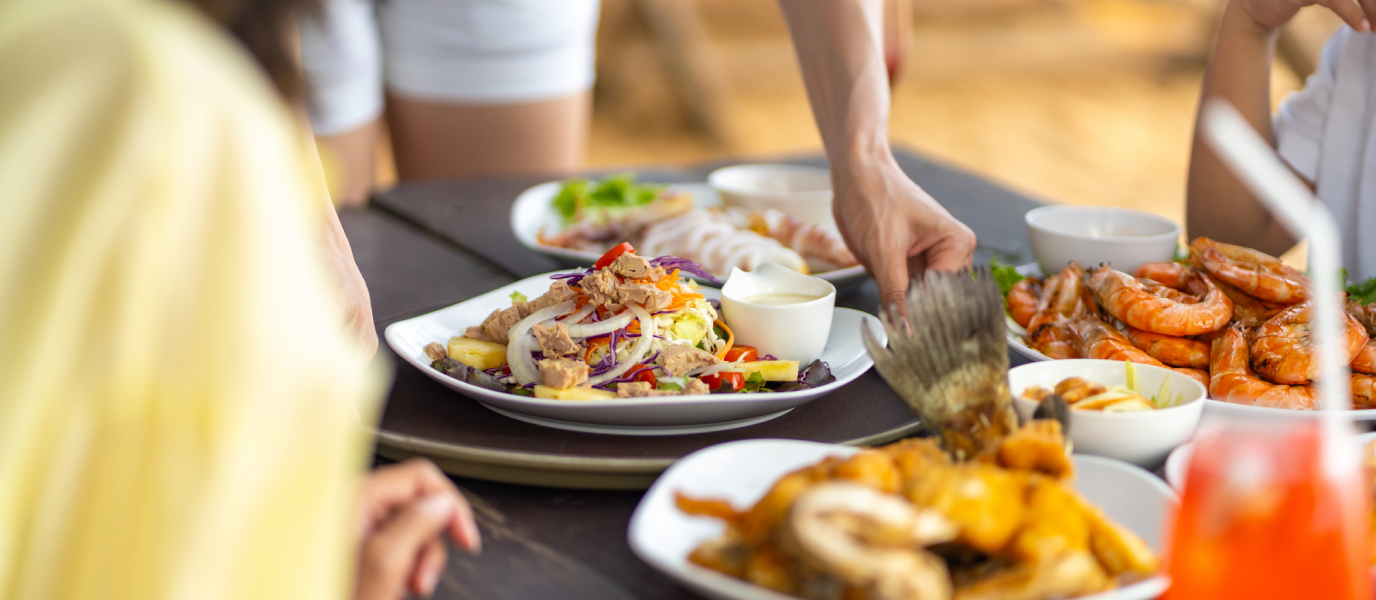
x,y
414,247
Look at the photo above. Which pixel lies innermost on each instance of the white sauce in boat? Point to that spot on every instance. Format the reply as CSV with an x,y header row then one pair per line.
x,y
779,299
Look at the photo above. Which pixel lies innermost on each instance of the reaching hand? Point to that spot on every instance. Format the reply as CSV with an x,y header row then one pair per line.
x,y
1270,14
897,230
403,511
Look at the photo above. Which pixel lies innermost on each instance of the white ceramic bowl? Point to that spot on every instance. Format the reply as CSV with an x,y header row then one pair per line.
x,y
1091,235
788,331
799,191
1142,438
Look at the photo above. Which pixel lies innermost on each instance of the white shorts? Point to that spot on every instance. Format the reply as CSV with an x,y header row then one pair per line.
x,y
460,51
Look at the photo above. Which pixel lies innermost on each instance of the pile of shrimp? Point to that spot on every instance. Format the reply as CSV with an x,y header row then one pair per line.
x,y
1235,319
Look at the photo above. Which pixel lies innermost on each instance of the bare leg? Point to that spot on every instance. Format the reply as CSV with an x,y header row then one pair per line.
x,y
440,139
354,154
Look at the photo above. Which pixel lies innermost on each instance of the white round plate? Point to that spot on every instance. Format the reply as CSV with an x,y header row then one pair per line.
x,y
633,430
532,212
1178,463
1212,408
741,472
844,353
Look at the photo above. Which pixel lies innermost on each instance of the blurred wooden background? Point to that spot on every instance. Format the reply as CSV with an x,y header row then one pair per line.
x,y
1075,101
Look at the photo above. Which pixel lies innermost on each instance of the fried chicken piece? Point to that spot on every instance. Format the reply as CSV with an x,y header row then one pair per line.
x,y
1037,446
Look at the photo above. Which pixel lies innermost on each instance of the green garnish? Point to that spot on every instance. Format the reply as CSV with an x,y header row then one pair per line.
x,y
520,391
618,192
518,297
1364,292
1182,255
664,385
753,383
1004,275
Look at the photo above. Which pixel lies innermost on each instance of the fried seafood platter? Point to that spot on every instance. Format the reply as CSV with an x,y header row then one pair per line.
x,y
983,508
1233,318
907,521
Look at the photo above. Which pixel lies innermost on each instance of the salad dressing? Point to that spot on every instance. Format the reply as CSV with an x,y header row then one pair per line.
x,y
779,299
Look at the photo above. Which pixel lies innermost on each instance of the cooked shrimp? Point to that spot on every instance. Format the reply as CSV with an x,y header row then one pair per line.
x,y
1174,351
1253,272
1170,274
1102,341
1131,302
1365,360
1051,331
1232,378
1363,391
1282,351
1249,310
1023,300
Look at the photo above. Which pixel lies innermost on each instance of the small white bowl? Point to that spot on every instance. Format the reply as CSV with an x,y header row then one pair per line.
x,y
1090,235
1143,438
795,331
799,191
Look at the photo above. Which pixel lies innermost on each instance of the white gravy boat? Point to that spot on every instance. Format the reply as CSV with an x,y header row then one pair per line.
x,y
779,311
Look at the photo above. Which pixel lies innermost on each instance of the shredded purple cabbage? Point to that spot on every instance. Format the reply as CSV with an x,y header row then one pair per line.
x,y
573,278
772,357
683,264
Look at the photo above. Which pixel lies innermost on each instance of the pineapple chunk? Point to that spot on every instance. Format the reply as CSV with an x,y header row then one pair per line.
x,y
573,393
477,353
771,370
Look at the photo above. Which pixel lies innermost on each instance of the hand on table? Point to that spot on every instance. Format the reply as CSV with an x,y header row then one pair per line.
x,y
896,229
404,510
1270,14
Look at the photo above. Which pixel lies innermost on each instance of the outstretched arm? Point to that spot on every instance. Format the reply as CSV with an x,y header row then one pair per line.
x,y
895,228
1239,72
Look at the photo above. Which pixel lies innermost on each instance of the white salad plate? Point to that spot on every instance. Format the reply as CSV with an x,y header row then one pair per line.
x,y
534,210
1212,408
741,472
667,415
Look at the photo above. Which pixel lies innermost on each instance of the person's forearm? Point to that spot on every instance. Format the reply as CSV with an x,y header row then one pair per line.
x,y
839,46
1217,204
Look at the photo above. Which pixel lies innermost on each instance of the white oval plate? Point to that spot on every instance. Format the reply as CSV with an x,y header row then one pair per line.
x,y
741,472
1212,408
668,415
1177,464
532,212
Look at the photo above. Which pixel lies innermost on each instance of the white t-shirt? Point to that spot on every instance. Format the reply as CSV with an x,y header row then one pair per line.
x,y
1327,133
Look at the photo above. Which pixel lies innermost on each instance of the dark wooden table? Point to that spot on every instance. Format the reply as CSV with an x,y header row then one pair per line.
x,y
414,247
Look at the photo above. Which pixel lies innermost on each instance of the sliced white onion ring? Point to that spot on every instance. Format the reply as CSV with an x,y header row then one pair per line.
x,y
714,369
638,352
601,327
578,317
518,348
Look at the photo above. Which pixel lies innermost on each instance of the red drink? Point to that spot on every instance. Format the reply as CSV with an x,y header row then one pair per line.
x,y
1266,514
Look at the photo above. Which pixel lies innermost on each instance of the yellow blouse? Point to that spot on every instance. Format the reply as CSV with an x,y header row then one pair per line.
x,y
177,400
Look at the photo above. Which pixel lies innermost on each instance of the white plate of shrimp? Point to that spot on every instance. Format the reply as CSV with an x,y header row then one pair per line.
x,y
1234,386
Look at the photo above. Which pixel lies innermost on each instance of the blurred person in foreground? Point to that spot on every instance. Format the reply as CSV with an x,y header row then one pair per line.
x,y
1325,132
179,407
896,229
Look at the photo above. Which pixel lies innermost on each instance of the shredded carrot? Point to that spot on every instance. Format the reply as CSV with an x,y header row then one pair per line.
x,y
683,295
668,281
634,327
594,345
730,339
581,301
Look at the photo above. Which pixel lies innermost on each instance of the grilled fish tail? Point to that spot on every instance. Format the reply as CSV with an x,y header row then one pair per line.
x,y
951,368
